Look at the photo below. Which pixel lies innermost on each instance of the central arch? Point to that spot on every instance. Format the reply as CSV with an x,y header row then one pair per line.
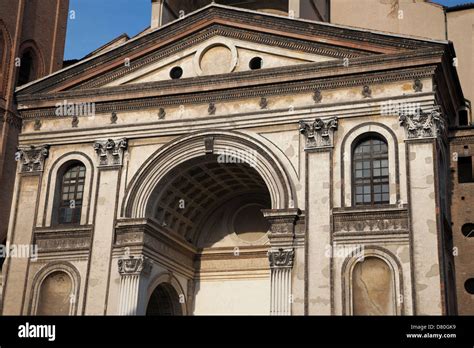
x,y
192,146
209,189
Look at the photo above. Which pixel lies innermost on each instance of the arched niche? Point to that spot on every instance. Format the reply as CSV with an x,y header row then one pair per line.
x,y
55,290
372,283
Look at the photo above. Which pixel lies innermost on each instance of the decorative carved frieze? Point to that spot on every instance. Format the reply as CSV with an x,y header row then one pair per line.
x,y
161,114
212,108
418,86
111,152
282,220
38,124
113,118
281,258
370,221
366,92
320,133
63,239
419,124
32,158
263,103
282,226
317,96
134,266
219,95
75,121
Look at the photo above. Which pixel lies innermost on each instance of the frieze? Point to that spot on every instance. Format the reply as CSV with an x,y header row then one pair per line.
x,y
161,113
147,232
75,121
366,92
418,86
282,221
233,94
61,240
212,108
113,118
370,221
37,126
317,96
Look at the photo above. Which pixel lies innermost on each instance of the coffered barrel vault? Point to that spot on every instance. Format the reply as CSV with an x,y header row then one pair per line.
x,y
241,162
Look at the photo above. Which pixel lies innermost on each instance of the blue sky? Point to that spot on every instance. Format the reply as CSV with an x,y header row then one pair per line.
x,y
97,22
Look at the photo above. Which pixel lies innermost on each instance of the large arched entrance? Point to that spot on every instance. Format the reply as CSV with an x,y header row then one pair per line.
x,y
215,204
202,197
164,301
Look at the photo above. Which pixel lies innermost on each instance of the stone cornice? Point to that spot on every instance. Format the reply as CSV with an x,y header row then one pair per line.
x,y
281,88
324,70
219,30
314,32
257,118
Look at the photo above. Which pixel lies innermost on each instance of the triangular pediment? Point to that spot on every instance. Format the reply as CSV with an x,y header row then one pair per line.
x,y
215,56
218,41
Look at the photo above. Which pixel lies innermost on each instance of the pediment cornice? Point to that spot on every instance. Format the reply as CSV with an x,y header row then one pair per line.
x,y
218,95
332,40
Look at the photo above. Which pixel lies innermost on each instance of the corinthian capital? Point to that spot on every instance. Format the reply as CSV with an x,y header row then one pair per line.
x,y
134,266
419,124
320,133
111,152
32,158
281,258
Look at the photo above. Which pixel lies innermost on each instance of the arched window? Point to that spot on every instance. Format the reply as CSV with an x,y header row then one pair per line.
x,y
71,191
55,295
370,171
28,67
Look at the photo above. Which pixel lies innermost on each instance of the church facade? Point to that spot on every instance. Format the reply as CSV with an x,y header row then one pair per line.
x,y
239,162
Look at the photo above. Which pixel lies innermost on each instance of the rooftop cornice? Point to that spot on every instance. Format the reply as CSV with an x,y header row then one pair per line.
x,y
318,72
312,32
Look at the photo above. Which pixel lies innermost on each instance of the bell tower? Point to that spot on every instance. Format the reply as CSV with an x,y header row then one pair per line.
x,y
166,11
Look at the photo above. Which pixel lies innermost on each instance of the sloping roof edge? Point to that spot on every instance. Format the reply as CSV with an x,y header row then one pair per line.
x,y
130,41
